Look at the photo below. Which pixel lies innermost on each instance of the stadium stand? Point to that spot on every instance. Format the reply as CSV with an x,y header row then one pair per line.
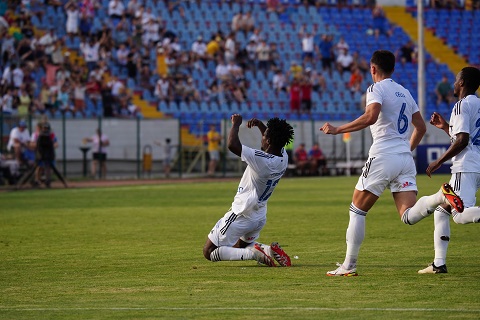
x,y
251,93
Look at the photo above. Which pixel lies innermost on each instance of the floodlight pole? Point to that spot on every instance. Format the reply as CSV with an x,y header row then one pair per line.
x,y
421,59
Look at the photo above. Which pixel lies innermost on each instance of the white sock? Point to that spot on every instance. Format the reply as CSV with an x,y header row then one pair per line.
x,y
231,254
441,235
423,208
355,235
469,215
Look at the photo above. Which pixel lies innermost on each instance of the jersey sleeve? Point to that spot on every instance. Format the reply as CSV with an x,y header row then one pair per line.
x,y
253,158
460,121
374,95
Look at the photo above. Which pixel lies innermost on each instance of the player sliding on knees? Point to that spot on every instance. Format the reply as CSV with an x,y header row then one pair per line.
x,y
391,112
233,238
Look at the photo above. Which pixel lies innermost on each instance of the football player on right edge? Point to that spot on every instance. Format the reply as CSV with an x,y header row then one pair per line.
x,y
464,132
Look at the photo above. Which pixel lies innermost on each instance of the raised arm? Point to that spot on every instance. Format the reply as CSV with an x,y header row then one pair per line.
x,y
234,144
256,123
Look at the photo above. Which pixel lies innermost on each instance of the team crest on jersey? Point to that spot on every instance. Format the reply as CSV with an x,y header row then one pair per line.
x,y
250,238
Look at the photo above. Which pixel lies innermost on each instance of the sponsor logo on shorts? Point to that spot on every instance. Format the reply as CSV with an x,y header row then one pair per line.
x,y
407,184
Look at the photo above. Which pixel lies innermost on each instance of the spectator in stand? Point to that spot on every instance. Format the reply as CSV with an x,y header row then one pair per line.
x,y
300,158
122,57
163,90
279,81
213,47
251,49
62,75
116,9
325,50
247,22
344,61
85,25
256,35
317,80
263,56
296,70
73,15
341,46
306,94
380,23
236,22
133,59
198,51
361,63
190,93
24,51
18,76
318,161
221,71
307,39
48,41
295,95
407,53
230,48
40,59
91,52
25,105
7,76
355,83
444,91
151,33
274,6
64,100
93,90
274,57
8,48
79,90
132,7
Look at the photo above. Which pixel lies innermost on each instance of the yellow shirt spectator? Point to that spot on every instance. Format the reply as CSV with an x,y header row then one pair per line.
x,y
212,48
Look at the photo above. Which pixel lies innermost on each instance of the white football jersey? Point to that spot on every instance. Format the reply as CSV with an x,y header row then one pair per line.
x,y
465,118
391,133
260,178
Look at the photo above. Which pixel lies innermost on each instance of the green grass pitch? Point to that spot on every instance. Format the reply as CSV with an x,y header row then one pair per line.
x,y
136,253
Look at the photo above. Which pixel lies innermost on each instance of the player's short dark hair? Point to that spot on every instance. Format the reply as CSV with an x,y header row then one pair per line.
x,y
280,132
471,77
384,60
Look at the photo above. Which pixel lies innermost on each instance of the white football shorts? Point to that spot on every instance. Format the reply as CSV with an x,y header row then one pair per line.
x,y
465,185
394,171
232,227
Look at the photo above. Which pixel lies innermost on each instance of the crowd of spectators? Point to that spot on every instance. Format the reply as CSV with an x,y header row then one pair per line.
x,y
118,59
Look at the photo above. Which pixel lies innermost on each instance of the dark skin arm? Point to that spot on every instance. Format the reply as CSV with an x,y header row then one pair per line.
x,y
460,143
234,144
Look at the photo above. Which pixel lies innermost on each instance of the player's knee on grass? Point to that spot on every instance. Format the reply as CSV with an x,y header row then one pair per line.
x,y
207,250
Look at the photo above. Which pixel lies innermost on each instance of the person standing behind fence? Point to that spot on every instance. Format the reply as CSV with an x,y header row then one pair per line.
x,y
100,143
168,153
213,149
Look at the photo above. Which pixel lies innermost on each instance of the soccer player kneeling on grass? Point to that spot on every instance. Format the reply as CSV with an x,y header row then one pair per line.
x,y
233,237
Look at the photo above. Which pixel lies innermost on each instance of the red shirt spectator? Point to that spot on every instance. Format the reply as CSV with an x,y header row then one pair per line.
x,y
295,91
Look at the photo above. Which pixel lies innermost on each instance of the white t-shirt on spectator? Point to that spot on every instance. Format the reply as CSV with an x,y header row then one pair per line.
x,y
116,7
222,71
90,53
17,77
23,137
199,47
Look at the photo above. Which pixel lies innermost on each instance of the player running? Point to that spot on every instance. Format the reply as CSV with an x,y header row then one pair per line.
x,y
464,133
390,112
234,235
